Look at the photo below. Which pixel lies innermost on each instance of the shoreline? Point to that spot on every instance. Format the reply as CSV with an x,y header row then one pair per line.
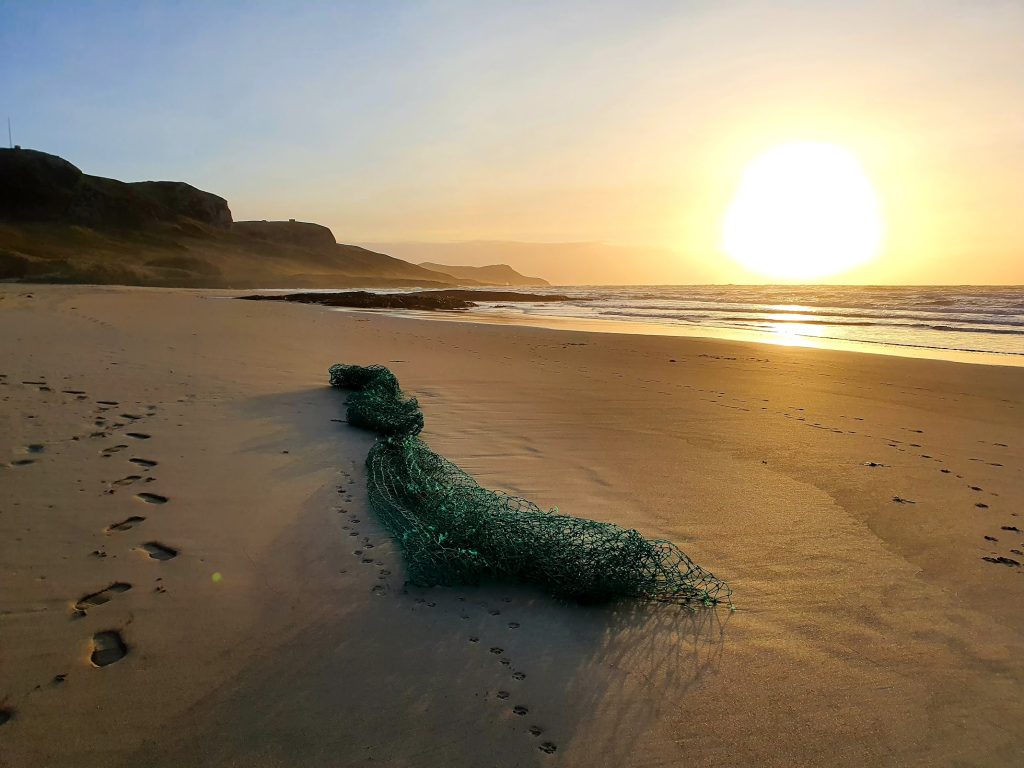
x,y
636,328
869,630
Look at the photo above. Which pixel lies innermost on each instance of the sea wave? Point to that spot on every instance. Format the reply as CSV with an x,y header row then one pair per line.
x,y
984,319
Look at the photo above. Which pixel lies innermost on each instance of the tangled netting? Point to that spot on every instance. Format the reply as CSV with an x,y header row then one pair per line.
x,y
452,531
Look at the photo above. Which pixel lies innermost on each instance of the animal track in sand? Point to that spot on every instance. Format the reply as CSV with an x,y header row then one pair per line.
x,y
981,505
547,747
520,710
112,449
147,463
103,596
158,551
107,648
107,402
138,435
6,715
125,525
128,480
22,462
152,498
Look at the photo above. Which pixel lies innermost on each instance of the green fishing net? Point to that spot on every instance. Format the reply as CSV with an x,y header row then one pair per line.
x,y
452,531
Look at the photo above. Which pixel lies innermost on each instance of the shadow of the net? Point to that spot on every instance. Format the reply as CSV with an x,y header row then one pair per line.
x,y
309,424
605,677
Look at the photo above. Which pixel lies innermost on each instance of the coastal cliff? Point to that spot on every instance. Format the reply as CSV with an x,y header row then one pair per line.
x,y
61,225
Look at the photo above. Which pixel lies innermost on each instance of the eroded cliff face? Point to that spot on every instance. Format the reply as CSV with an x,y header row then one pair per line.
x,y
39,187
313,237
58,224
185,200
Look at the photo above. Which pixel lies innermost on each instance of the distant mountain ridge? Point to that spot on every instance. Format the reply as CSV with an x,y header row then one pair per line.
x,y
492,274
58,224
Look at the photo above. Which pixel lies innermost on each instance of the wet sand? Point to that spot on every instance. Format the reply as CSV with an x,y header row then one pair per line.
x,y
191,576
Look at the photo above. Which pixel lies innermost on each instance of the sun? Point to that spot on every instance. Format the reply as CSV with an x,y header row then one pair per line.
x,y
803,211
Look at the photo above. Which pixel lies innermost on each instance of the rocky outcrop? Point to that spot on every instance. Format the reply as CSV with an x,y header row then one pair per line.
x,y
422,300
39,187
58,224
185,200
301,234
35,186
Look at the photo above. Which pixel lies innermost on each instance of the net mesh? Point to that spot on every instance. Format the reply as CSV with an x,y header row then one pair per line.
x,y
452,531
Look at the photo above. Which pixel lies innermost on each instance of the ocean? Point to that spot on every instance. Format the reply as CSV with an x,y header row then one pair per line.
x,y
973,323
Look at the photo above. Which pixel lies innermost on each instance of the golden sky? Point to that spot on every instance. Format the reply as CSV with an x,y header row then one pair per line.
x,y
623,126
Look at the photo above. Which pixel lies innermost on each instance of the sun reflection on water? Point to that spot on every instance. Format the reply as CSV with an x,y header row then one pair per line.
x,y
794,334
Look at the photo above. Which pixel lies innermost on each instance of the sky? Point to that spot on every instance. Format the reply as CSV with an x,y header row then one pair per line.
x,y
617,128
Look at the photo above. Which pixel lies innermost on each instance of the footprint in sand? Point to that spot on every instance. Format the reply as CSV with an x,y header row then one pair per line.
x,y
147,463
112,449
152,498
125,525
127,480
547,747
520,710
1001,561
107,648
158,551
6,715
107,402
22,462
101,597
138,435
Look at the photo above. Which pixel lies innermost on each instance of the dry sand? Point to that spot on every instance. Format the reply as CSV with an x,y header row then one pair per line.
x,y
868,631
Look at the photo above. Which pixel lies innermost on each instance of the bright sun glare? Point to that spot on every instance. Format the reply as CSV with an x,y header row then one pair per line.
x,y
803,210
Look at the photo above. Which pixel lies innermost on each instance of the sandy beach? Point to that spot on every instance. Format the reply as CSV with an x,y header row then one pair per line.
x,y
183,504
